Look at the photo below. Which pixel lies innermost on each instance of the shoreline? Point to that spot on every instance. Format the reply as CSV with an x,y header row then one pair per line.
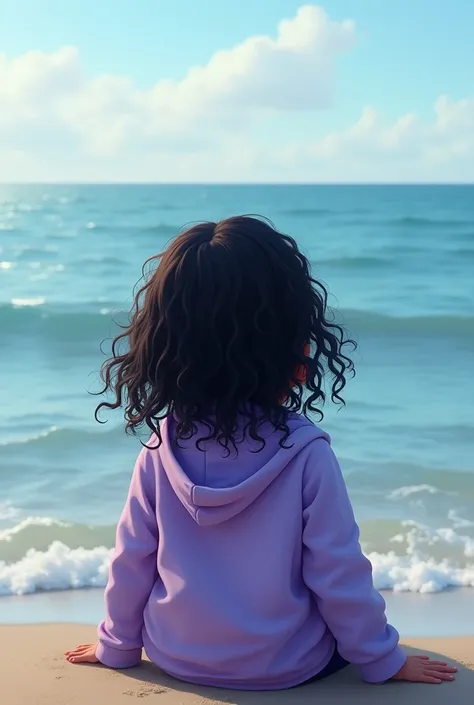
x,y
415,615
35,671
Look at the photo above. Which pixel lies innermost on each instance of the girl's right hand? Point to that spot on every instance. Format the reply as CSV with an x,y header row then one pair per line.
x,y
421,669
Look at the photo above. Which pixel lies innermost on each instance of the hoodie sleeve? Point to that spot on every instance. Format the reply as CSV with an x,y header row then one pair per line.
x,y
133,572
340,576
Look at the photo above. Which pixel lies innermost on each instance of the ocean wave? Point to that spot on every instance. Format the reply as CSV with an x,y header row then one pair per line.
x,y
41,554
96,321
437,325
392,256
459,522
30,522
466,236
58,568
418,574
61,437
8,511
399,480
30,439
169,207
411,224
355,262
38,529
40,533
101,260
304,212
161,229
36,253
423,222
415,570
463,253
410,490
63,324
20,303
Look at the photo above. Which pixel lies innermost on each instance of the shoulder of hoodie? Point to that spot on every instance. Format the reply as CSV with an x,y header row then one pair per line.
x,y
299,424
315,451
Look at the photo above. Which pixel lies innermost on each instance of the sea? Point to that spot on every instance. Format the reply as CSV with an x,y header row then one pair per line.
x,y
399,265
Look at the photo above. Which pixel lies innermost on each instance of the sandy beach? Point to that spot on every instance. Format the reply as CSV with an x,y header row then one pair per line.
x,y
34,672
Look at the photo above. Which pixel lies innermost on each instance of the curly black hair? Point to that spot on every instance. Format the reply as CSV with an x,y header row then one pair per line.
x,y
218,332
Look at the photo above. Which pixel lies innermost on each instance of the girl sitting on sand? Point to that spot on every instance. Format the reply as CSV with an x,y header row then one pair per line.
x,y
237,561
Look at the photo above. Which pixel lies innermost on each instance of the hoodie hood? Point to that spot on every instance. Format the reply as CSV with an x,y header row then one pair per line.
x,y
214,488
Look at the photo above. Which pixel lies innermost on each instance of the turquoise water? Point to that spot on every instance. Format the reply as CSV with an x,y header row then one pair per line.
x,y
399,263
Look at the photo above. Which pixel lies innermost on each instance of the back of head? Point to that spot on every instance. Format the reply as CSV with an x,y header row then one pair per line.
x,y
219,332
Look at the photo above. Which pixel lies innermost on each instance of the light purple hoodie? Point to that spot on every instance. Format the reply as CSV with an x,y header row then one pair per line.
x,y
243,571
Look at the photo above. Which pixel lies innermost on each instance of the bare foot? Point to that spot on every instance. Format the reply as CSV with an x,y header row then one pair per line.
x,y
85,653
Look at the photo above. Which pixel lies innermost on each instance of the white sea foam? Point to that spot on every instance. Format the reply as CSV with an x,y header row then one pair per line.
x,y
63,568
33,437
418,537
415,574
8,512
19,303
410,490
417,570
420,563
459,522
58,568
9,534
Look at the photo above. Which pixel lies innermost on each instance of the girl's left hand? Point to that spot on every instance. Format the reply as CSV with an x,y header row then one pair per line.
x,y
85,653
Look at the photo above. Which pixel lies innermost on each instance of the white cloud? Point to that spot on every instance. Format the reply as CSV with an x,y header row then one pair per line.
x,y
45,98
452,127
58,124
374,149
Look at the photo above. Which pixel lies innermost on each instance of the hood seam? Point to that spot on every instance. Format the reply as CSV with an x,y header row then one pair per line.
x,y
213,505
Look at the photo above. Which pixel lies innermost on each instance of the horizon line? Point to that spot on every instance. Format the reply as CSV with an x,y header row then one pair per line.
x,y
237,183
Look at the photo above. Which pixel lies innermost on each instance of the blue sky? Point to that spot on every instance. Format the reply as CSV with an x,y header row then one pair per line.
x,y
404,56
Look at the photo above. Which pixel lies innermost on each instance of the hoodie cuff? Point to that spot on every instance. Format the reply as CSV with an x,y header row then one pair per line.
x,y
118,658
385,668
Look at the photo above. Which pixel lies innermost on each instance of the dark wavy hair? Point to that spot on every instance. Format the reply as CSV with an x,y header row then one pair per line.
x,y
218,331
